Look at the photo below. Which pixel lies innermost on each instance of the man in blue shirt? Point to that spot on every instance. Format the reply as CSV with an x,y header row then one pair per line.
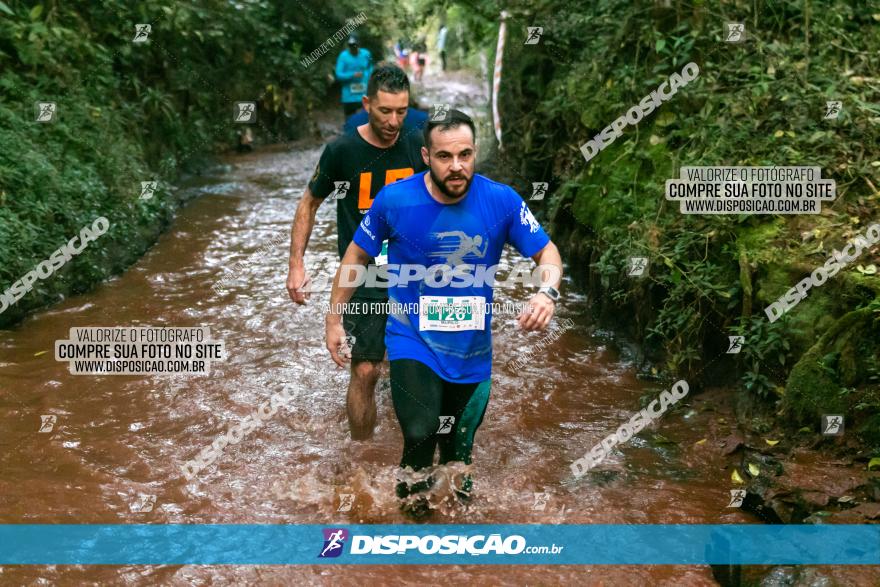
x,y
414,121
353,68
444,228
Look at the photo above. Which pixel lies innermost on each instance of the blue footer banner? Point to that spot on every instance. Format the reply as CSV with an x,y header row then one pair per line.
x,y
542,544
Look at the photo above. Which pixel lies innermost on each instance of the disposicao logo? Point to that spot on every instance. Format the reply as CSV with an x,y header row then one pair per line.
x,y
334,540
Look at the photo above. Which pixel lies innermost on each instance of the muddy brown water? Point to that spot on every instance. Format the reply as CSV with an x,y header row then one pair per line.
x,y
119,437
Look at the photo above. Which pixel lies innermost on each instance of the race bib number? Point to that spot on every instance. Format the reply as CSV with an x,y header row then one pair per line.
x,y
382,258
358,88
451,314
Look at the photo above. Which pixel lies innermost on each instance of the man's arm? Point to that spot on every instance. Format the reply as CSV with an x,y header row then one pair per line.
x,y
542,307
300,232
339,296
552,274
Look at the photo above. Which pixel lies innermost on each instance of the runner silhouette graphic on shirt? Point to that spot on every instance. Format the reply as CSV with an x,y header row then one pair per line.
x,y
467,245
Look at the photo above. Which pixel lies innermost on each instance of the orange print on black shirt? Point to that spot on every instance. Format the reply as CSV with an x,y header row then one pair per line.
x,y
365,183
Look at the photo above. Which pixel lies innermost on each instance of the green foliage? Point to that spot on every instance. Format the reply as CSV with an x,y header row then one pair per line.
x,y
764,354
756,103
130,112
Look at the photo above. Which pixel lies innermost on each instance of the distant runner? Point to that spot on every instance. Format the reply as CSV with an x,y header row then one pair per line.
x,y
441,45
418,60
352,170
441,353
401,54
353,69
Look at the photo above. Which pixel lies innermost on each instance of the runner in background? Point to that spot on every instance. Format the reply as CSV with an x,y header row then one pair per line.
x,y
353,69
441,45
418,60
401,54
353,168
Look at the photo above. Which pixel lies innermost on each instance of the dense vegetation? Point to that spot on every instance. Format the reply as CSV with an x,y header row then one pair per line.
x,y
131,112
760,102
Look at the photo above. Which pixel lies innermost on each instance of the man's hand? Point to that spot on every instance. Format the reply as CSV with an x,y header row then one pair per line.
x,y
335,338
297,279
537,315
358,74
303,222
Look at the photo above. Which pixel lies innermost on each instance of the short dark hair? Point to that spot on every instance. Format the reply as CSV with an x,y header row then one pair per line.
x,y
453,119
388,78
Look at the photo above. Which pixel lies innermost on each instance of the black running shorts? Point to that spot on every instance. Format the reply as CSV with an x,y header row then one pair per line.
x,y
365,321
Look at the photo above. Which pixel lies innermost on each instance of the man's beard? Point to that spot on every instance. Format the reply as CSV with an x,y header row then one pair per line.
x,y
445,191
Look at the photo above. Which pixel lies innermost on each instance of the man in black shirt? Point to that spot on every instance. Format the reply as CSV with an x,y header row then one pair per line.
x,y
353,168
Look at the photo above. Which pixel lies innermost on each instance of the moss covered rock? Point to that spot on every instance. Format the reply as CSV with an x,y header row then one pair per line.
x,y
823,381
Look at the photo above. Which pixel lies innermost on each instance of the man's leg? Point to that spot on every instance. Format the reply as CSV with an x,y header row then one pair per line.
x,y
417,395
367,325
467,402
361,398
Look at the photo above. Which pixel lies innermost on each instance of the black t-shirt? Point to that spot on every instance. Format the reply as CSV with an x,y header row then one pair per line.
x,y
353,171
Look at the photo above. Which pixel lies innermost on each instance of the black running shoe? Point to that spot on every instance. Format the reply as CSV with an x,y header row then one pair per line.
x,y
403,490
